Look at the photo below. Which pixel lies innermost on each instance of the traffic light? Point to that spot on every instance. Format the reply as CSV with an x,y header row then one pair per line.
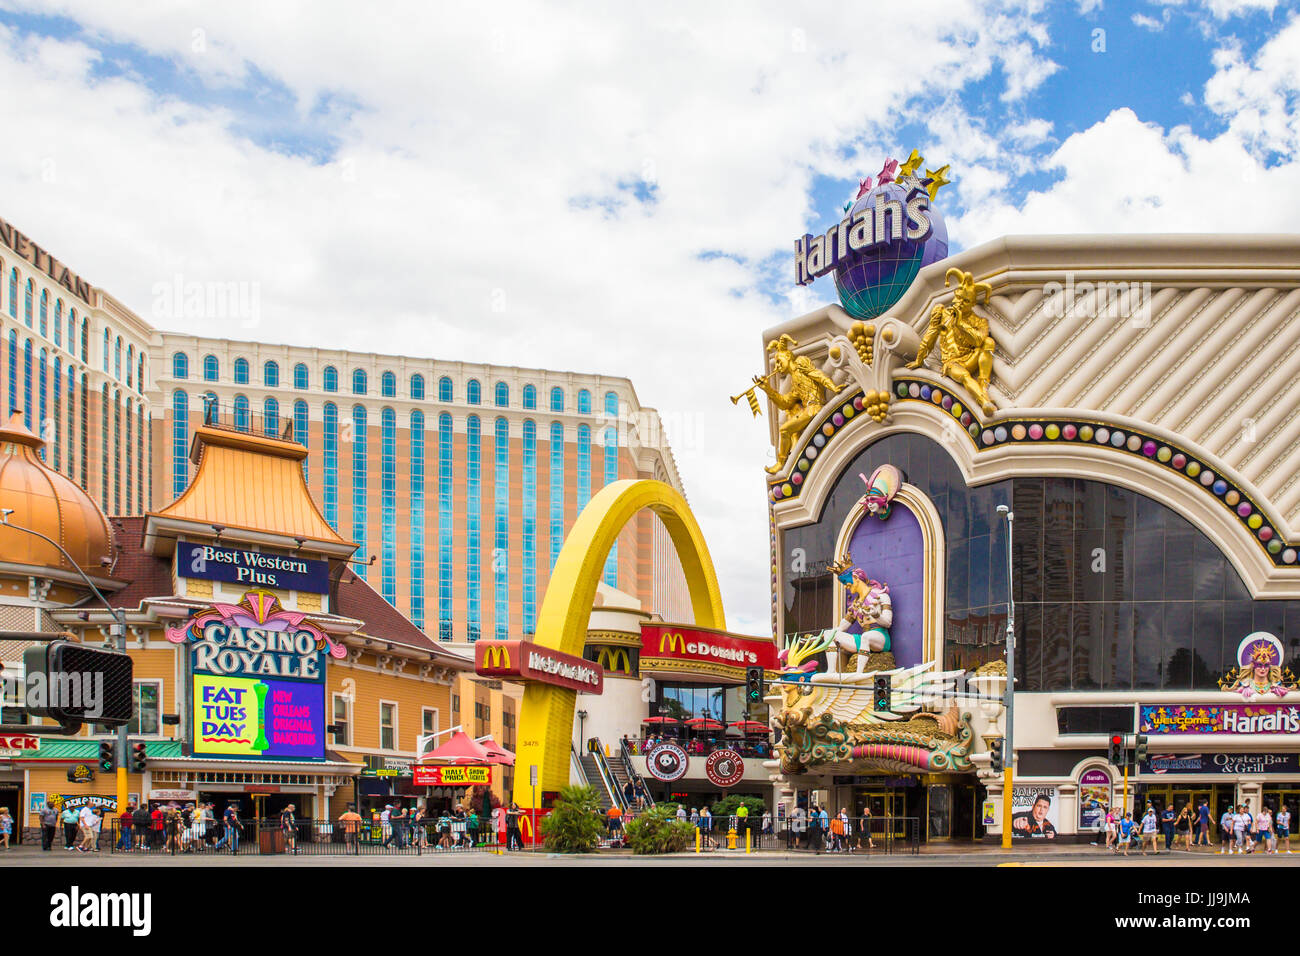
x,y
996,762
137,756
76,684
883,697
1139,748
1116,755
754,685
107,756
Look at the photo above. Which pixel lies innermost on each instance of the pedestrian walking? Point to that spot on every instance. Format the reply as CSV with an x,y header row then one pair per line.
x,y
1111,831
6,827
1284,827
70,819
289,827
1203,824
1126,828
514,839
1150,825
1227,824
1183,826
1168,818
351,823
49,824
1264,830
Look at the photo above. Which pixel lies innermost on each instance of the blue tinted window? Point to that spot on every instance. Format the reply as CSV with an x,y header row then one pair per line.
x,y
557,399
271,418
388,502
359,381
301,379
331,378
444,527
501,540
530,397
241,371
444,389
417,518
584,466
388,385
529,455
271,374
611,476
180,366
300,430
211,368
557,490
359,498
330,463
417,387
502,395
474,392
180,442
473,536
584,402
241,413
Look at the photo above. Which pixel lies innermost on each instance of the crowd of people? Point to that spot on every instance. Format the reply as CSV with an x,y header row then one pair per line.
x,y
818,829
1239,830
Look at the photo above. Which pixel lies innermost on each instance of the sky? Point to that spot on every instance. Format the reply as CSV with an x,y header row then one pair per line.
x,y
613,188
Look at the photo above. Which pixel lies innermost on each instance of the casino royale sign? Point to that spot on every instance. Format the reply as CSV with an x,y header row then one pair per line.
x,y
251,568
254,651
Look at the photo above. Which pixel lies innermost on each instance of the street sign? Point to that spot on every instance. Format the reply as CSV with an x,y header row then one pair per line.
x,y
532,775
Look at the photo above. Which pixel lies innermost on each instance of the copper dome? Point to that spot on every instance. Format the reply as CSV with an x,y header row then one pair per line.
x,y
45,501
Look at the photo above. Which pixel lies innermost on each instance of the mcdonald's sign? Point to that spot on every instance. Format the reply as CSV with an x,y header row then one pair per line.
x,y
526,661
673,645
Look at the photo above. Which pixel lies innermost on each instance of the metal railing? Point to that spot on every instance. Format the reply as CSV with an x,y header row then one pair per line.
x,y
607,775
306,837
863,835
638,782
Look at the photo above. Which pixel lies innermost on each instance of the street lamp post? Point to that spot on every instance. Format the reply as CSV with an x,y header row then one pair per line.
x,y
116,630
1008,692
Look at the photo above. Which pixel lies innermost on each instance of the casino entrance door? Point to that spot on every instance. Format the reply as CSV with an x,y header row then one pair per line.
x,y
1275,798
1219,798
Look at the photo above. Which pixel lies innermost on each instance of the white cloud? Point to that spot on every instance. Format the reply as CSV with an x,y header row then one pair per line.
x,y
1148,23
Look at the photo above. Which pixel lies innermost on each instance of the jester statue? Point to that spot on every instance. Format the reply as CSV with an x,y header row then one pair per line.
x,y
868,614
965,345
1260,671
882,486
803,400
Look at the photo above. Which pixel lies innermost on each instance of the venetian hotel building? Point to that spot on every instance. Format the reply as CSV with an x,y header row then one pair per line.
x,y
459,480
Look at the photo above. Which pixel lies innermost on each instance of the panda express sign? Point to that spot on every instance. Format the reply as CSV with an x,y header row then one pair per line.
x,y
526,661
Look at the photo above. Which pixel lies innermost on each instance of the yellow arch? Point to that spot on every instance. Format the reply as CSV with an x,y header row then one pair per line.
x,y
546,715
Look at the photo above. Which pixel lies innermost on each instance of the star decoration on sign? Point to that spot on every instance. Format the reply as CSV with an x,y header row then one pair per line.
x,y
887,172
864,187
937,177
910,167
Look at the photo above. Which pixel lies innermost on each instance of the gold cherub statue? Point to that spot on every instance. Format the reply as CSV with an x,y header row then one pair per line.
x,y
965,345
804,399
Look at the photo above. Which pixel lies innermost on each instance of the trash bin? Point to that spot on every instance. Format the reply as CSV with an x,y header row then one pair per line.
x,y
271,841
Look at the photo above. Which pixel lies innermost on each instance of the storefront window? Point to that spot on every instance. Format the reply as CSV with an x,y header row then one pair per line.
x,y
387,725
341,724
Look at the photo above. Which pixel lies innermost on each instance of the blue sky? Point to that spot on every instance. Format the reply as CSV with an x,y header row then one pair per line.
x,y
613,189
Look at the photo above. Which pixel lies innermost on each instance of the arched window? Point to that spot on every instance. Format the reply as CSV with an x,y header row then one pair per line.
x,y
271,374
117,359
557,489
28,362
584,466
27,304
180,442
180,366
417,388
388,498
474,392
58,322
416,468
139,372
584,402
388,386
108,347
45,312
611,404
501,538
444,526
611,476
211,411
72,335
130,366
13,373
360,467
529,454
271,418
530,397
330,463
300,377
330,378
211,368
557,399
501,395
445,393
473,527
13,293
300,426
358,381
241,371
241,413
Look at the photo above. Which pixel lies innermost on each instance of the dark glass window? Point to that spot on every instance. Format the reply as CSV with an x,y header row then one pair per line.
x,y
1114,591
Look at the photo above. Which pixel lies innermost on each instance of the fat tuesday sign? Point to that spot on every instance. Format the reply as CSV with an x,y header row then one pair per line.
x,y
251,568
41,259
257,679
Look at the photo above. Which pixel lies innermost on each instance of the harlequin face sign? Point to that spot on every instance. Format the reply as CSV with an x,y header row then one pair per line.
x,y
724,768
667,762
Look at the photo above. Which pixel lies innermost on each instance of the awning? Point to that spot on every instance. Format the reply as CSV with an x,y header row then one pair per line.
x,y
498,753
460,750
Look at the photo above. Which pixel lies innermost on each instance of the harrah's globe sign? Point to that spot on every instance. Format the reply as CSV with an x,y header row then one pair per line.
x,y
888,234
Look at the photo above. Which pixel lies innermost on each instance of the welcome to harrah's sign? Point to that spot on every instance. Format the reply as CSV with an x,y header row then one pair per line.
x,y
886,220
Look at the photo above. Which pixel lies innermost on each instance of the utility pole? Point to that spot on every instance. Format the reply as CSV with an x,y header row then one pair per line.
x,y
1009,692
116,632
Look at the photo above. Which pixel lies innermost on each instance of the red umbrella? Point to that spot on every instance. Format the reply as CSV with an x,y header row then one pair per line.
x,y
704,723
496,752
661,720
750,727
460,750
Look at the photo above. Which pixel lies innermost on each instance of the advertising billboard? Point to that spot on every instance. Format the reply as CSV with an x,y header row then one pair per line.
x,y
1034,813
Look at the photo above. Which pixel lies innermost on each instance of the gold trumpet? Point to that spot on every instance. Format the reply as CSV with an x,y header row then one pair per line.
x,y
753,399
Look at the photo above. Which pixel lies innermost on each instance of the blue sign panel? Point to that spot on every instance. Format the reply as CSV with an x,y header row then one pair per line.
x,y
251,568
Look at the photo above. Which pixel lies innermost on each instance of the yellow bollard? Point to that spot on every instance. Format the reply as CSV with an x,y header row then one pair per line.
x,y
731,839
746,839
697,840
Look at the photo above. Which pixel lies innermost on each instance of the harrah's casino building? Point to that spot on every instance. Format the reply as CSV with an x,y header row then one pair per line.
x,y
1132,400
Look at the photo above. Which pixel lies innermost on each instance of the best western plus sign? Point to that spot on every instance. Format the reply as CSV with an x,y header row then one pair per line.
x,y
526,661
